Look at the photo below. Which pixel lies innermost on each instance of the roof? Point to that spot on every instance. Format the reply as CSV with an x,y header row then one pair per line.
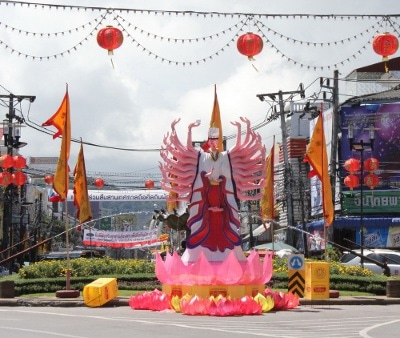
x,y
380,67
392,95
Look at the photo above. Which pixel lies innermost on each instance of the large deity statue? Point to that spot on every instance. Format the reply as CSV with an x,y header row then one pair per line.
x,y
213,182
213,276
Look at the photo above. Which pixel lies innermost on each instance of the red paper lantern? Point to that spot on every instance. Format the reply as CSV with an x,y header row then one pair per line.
x,y
250,44
19,162
371,164
149,184
55,198
6,161
110,38
18,178
351,181
48,179
385,44
5,178
371,181
352,165
99,182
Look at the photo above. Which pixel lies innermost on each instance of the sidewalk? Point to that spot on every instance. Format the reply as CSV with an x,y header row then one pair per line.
x,y
124,301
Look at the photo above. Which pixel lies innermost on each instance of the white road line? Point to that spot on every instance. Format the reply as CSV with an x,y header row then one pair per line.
x,y
39,331
364,333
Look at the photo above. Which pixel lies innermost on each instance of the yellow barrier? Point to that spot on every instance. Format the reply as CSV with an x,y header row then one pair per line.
x,y
100,291
317,280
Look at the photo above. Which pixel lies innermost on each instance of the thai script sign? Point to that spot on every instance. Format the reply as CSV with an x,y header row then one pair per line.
x,y
373,202
120,239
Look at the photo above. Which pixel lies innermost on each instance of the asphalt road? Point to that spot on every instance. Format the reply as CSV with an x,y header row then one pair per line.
x,y
367,321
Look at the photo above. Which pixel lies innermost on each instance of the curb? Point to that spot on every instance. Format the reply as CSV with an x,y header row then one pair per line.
x,y
124,301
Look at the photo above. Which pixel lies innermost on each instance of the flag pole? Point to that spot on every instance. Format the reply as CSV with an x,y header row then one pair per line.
x,y
322,178
68,280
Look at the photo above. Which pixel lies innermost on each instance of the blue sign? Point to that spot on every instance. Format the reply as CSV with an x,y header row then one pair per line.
x,y
296,262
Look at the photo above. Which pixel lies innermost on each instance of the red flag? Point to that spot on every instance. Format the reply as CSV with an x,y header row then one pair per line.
x,y
317,157
81,196
61,120
267,200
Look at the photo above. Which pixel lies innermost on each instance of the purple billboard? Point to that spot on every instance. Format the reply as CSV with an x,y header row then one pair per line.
x,y
380,122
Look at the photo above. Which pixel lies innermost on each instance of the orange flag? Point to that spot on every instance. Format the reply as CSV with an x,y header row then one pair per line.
x,y
59,117
317,157
81,196
61,120
267,200
215,121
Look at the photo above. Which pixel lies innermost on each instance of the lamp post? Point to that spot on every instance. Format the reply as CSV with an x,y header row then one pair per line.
x,y
360,147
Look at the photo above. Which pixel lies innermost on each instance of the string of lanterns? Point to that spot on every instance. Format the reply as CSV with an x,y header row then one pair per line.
x,y
380,42
155,12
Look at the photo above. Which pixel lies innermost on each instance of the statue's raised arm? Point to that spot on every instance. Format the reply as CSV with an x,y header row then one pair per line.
x,y
248,163
180,162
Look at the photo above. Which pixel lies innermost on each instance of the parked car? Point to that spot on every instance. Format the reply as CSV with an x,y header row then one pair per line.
x,y
4,271
390,257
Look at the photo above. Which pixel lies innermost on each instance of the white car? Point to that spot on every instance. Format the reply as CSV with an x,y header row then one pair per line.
x,y
391,257
4,271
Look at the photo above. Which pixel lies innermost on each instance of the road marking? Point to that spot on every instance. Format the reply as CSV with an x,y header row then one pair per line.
x,y
364,333
39,331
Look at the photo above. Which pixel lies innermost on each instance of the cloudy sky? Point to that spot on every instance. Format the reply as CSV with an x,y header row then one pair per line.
x,y
129,107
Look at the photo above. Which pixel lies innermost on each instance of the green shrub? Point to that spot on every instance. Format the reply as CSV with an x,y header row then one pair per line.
x,y
50,276
85,267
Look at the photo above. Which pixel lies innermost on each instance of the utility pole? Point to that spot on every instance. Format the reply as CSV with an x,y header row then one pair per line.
x,y
11,141
287,167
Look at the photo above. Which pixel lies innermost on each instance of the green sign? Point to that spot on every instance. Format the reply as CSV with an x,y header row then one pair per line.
x,y
374,202
105,223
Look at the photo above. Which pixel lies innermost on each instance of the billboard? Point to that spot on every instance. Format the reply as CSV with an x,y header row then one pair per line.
x,y
385,120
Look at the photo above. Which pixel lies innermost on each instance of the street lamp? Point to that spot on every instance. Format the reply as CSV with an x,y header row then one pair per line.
x,y
360,147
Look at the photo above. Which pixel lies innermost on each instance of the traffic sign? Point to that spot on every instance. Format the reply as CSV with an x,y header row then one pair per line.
x,y
296,262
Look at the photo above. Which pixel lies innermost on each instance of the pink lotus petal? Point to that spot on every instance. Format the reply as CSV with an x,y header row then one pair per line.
x,y
202,271
213,309
269,292
195,306
249,306
161,270
279,301
293,301
230,271
267,268
253,271
177,270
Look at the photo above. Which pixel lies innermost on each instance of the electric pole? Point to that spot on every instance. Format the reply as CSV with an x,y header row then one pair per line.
x,y
286,164
12,134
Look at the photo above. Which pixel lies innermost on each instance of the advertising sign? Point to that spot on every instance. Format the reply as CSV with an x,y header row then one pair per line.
x,y
383,121
120,239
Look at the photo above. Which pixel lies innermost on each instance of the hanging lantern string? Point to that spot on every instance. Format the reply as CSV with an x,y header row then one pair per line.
x,y
183,63
169,39
54,56
387,18
375,26
53,34
38,5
